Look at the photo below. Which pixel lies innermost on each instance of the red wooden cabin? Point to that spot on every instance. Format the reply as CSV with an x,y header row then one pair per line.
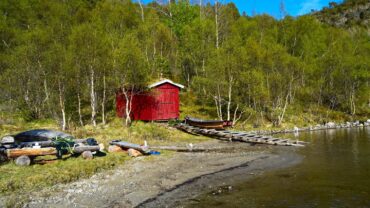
x,y
159,103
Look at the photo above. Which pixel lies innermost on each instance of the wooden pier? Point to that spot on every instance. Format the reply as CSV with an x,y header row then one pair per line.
x,y
240,136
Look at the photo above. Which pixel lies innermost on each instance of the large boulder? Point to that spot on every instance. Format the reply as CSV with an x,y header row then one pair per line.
x,y
330,125
134,153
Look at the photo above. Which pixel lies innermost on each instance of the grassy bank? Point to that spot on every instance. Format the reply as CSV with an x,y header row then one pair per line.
x,y
15,178
295,115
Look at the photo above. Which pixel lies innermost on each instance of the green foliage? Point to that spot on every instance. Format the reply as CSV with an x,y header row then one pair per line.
x,y
62,59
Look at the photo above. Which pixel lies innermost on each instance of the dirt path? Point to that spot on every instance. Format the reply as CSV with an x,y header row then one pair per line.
x,y
158,180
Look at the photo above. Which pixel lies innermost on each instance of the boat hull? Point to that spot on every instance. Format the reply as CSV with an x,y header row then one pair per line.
x,y
207,124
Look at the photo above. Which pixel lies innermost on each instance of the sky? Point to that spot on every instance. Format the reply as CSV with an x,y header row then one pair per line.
x,y
272,7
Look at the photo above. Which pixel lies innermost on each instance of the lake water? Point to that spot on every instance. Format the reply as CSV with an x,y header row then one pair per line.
x,y
335,172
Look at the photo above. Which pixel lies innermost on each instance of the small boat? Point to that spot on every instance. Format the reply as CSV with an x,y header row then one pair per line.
x,y
207,124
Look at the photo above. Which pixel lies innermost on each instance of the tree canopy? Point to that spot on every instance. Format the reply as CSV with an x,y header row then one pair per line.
x,y
76,54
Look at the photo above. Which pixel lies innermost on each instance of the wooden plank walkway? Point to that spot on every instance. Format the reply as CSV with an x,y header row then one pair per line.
x,y
240,136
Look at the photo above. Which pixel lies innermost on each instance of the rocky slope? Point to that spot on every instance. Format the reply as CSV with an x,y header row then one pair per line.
x,y
348,14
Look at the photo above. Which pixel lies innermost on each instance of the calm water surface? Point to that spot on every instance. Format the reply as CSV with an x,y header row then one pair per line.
x,y
335,172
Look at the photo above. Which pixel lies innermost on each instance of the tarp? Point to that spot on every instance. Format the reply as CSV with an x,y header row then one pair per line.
x,y
40,135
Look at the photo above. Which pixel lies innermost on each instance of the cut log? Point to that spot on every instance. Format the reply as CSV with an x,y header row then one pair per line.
x,y
127,145
23,160
13,153
115,148
48,143
134,153
87,155
81,149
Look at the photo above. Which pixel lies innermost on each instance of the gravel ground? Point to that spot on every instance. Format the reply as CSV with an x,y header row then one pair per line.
x,y
164,181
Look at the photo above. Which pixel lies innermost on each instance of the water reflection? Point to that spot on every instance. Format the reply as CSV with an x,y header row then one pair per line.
x,y
334,173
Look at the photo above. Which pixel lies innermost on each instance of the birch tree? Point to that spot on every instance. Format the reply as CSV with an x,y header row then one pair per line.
x,y
131,71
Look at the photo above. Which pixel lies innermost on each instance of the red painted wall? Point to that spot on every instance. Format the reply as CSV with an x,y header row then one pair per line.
x,y
160,103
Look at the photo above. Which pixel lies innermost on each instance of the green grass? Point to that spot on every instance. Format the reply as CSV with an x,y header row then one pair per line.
x,y
19,178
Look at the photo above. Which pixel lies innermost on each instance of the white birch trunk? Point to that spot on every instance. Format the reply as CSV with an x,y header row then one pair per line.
x,y
79,109
62,106
216,21
128,106
352,102
92,96
200,8
281,117
236,118
103,101
229,97
142,10
216,103
219,100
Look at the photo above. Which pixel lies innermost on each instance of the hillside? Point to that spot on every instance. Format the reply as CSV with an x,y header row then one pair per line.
x,y
347,14
64,61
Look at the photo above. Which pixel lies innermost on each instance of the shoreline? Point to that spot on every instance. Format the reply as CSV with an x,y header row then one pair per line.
x,y
158,180
184,193
317,127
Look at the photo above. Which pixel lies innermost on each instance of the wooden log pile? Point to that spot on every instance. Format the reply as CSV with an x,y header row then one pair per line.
x,y
25,146
24,156
239,136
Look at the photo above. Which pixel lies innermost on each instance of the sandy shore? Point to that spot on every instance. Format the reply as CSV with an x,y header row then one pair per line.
x,y
166,181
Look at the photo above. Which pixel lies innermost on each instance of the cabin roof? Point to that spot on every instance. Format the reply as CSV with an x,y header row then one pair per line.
x,y
163,81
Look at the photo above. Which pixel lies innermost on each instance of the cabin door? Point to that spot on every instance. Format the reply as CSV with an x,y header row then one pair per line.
x,y
167,104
